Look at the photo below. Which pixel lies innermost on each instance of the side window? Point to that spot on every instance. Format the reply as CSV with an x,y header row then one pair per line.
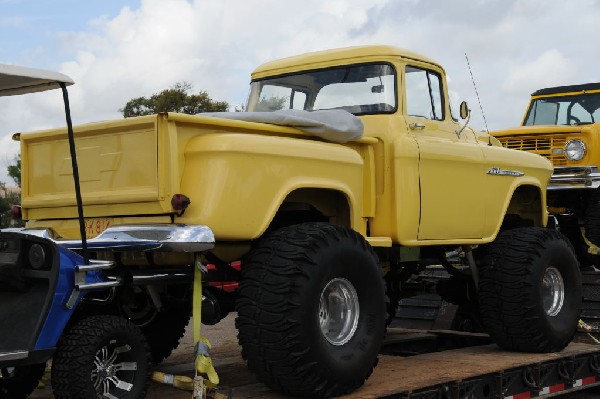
x,y
424,96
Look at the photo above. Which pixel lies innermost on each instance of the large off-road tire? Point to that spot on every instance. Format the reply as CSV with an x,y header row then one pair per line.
x,y
530,290
591,218
296,284
101,357
19,382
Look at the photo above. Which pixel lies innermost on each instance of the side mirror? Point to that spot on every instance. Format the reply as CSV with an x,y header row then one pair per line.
x,y
377,89
464,110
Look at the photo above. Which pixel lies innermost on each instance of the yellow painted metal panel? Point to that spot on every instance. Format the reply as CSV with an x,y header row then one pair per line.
x,y
118,164
237,181
70,228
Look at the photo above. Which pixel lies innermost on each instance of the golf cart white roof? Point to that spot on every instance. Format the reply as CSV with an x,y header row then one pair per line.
x,y
21,80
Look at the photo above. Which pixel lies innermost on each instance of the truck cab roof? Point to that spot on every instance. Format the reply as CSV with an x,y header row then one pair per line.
x,y
327,58
566,89
16,80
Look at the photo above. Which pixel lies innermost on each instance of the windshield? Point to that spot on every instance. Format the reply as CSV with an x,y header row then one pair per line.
x,y
580,109
359,89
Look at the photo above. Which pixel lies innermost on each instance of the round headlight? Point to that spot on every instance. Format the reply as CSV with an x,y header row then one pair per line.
x,y
575,150
37,256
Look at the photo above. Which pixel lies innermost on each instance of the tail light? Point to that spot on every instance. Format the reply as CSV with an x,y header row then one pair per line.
x,y
15,212
180,202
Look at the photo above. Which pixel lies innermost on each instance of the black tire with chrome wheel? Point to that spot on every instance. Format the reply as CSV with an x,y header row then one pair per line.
x,y
530,290
18,382
311,310
101,357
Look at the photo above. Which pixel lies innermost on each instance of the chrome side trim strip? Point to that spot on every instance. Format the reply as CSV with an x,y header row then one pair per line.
x,y
503,172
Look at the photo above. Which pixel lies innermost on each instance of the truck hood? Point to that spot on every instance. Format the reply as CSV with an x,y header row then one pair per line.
x,y
540,130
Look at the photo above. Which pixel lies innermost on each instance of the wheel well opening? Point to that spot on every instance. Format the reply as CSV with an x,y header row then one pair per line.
x,y
312,205
525,208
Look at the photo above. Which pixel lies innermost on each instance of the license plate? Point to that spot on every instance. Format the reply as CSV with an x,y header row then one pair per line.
x,y
93,227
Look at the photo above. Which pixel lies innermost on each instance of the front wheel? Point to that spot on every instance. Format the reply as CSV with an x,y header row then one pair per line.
x,y
312,310
101,357
530,290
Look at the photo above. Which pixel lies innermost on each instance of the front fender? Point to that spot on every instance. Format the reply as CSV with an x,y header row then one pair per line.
x,y
236,182
530,170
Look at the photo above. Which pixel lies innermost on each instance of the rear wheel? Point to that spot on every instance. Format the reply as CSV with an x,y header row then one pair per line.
x,y
530,290
312,310
101,357
19,382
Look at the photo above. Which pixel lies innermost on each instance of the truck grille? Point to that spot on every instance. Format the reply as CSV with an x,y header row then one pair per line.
x,y
541,145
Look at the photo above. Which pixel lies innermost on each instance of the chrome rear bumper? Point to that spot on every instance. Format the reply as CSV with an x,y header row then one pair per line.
x,y
146,237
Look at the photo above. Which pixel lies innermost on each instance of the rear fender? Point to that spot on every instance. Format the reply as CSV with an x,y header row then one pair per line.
x,y
237,182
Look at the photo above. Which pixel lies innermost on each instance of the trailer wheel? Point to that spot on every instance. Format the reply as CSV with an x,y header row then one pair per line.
x,y
530,290
591,219
311,310
19,382
101,356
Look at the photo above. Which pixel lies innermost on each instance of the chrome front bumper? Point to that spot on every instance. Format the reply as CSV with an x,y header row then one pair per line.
x,y
575,177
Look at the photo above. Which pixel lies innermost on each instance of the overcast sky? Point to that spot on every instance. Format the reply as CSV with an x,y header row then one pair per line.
x,y
117,50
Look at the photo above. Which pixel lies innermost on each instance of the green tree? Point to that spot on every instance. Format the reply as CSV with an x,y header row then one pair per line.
x,y
14,171
273,103
8,198
175,99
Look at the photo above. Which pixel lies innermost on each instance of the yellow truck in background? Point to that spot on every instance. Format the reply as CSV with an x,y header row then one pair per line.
x,y
562,124
347,176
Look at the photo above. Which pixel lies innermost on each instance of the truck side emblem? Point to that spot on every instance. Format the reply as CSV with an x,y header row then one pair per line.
x,y
502,172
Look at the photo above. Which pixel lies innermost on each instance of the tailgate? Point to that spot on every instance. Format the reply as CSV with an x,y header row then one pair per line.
x,y
119,168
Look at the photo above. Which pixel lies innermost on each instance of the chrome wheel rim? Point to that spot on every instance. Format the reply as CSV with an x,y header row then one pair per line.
x,y
113,371
338,311
553,291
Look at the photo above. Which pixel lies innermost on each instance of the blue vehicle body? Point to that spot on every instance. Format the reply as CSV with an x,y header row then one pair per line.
x,y
43,280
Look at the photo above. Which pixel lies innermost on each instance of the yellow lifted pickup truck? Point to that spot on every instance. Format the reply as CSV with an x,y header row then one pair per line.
x,y
562,124
347,175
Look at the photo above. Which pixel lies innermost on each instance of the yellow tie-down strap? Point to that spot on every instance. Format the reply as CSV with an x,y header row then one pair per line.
x,y
205,379
206,375
584,327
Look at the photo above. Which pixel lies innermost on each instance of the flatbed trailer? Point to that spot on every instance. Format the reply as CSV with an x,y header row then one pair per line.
x,y
470,372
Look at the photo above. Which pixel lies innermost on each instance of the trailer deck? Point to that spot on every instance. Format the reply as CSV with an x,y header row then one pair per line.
x,y
474,370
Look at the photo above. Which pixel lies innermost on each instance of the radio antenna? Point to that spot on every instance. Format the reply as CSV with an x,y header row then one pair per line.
x,y
478,100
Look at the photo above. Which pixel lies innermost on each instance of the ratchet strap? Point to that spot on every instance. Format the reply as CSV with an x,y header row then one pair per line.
x,y
592,248
205,376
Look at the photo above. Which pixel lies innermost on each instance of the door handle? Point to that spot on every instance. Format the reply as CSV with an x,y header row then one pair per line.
x,y
415,126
